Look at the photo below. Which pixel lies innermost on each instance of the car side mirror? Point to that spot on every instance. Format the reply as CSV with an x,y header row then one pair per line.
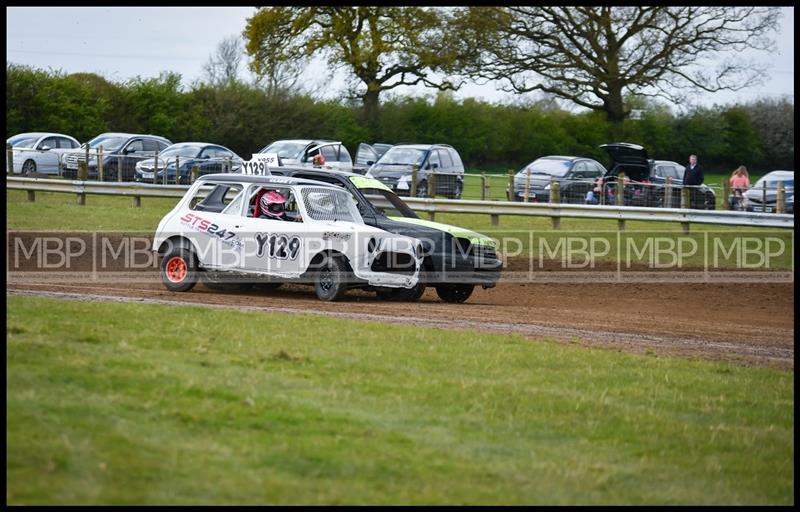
x,y
370,162
45,148
434,166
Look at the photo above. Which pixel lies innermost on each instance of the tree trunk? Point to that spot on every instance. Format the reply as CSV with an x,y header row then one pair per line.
x,y
371,114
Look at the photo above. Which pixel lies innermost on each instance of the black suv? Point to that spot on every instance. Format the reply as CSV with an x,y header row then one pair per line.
x,y
575,176
648,178
121,153
456,259
394,167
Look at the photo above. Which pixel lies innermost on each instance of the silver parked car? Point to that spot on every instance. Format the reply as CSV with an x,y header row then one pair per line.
x,y
39,152
303,151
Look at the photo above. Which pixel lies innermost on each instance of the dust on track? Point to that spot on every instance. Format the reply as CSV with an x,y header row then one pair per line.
x,y
750,324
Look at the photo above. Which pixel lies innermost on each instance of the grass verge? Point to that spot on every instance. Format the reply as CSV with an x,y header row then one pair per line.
x,y
121,403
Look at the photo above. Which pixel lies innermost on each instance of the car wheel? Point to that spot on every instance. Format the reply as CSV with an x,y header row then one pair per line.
x,y
330,279
454,293
110,172
422,189
179,269
29,167
458,190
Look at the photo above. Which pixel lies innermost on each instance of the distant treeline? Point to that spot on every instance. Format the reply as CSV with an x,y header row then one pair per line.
x,y
245,118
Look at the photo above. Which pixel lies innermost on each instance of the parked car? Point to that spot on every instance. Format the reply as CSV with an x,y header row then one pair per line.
x,y
763,196
39,152
394,168
209,158
367,155
217,232
121,153
303,151
647,177
455,260
575,176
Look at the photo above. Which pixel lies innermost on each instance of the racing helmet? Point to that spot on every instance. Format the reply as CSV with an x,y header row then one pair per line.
x,y
272,204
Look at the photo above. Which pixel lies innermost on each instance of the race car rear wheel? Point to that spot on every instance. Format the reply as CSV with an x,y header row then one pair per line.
x,y
330,279
454,293
179,269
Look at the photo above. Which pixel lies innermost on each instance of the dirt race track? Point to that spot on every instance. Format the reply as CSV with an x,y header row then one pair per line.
x,y
750,324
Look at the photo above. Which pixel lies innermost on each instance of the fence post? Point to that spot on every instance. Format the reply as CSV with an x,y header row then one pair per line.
x,y
510,185
780,201
195,172
10,159
726,190
668,193
31,196
619,199
764,197
83,173
413,191
555,198
87,165
432,186
484,186
100,163
119,173
526,194
227,164
137,201
685,202
177,170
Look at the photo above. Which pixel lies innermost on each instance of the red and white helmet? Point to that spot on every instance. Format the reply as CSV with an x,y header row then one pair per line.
x,y
272,204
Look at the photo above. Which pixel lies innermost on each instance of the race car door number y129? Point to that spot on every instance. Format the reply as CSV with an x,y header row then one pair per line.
x,y
281,247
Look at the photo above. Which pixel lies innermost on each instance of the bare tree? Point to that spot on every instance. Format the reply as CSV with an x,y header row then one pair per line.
x,y
595,56
222,67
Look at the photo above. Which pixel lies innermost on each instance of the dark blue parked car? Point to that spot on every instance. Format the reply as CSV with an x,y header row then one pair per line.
x,y
209,158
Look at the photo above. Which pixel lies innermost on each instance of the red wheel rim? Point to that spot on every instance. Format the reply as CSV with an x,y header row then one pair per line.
x,y
176,269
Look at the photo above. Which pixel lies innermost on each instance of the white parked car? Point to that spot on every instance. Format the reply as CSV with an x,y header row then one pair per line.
x,y
39,152
220,233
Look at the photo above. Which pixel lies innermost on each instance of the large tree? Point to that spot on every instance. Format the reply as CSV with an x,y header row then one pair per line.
x,y
382,47
595,56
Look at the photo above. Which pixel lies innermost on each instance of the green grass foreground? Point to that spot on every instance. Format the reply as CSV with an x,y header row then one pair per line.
x,y
132,403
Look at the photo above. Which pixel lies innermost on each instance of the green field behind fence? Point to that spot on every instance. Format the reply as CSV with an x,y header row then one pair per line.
x,y
517,236
162,404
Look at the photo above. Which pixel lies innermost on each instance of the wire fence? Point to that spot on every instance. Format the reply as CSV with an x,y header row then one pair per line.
x,y
93,164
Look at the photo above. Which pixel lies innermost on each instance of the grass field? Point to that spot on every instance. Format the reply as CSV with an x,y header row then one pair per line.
x,y
147,404
517,235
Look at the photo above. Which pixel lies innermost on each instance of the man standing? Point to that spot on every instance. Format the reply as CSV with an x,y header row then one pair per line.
x,y
693,177
694,173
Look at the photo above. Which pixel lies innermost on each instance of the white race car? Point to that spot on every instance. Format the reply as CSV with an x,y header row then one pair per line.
x,y
219,233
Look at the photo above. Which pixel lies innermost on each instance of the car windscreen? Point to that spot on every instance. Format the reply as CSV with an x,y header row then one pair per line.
x,y
773,183
109,143
398,207
329,204
183,151
547,166
286,149
23,141
402,156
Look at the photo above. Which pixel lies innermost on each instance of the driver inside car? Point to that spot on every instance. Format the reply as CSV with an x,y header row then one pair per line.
x,y
272,205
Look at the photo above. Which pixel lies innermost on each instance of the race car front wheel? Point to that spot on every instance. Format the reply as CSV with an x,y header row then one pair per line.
x,y
179,269
454,293
330,279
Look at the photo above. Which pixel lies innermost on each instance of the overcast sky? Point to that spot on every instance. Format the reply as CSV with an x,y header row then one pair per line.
x,y
123,42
